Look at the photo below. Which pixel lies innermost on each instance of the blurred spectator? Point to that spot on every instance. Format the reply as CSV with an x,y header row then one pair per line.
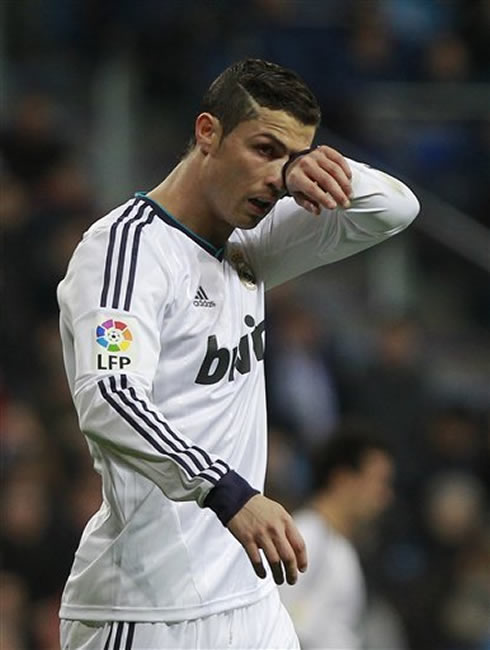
x,y
353,485
453,442
31,146
302,391
393,394
31,530
454,509
13,612
46,625
447,59
287,458
465,611
424,572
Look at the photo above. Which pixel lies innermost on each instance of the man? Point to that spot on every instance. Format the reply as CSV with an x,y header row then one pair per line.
x,y
162,324
354,476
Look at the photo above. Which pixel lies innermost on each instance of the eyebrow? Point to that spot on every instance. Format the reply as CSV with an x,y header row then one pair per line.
x,y
276,140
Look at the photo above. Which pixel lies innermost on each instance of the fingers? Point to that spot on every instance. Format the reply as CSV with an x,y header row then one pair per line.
x,y
337,158
262,526
256,560
274,559
286,554
322,178
283,556
320,196
335,167
302,200
299,547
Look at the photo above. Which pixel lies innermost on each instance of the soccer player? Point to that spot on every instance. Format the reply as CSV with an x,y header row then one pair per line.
x,y
162,326
354,475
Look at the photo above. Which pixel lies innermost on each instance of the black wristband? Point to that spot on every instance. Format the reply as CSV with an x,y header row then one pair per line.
x,y
290,160
229,495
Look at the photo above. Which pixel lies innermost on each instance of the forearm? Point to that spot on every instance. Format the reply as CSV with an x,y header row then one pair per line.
x,y
292,241
117,414
380,204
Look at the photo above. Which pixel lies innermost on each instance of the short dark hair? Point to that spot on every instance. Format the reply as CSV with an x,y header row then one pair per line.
x,y
346,448
232,96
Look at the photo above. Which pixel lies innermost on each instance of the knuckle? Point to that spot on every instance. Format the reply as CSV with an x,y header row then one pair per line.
x,y
247,539
273,530
288,558
261,537
286,517
299,546
304,164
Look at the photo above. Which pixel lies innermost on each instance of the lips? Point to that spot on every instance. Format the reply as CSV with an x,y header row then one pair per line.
x,y
261,204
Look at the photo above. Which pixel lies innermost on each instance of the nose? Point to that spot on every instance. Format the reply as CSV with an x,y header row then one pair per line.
x,y
274,176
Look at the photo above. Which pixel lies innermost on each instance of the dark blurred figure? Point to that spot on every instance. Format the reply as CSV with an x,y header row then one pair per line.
x,y
287,458
31,146
13,612
393,395
454,442
301,383
30,530
465,610
46,203
433,572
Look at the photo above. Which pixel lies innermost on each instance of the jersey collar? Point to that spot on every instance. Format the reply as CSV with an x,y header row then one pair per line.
x,y
172,221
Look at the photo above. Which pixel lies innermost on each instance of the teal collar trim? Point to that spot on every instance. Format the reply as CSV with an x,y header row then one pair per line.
x,y
172,221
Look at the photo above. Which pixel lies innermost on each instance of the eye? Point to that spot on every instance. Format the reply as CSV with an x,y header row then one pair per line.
x,y
266,150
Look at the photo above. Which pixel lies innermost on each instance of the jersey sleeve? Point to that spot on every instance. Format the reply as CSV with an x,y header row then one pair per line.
x,y
112,302
292,241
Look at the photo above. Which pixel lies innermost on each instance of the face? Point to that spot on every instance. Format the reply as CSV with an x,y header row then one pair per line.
x,y
242,171
372,485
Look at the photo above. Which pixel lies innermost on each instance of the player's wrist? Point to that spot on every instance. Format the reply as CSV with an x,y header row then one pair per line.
x,y
228,496
292,158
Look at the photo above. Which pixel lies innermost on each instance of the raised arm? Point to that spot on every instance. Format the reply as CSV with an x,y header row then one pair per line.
x,y
305,230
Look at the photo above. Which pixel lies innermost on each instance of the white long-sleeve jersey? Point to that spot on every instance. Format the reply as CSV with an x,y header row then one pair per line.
x,y
163,342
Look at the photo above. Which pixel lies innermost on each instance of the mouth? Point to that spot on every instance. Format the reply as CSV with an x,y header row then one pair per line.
x,y
261,206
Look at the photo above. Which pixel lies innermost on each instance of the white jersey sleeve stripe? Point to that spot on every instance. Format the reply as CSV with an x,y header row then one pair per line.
x,y
110,253
137,427
130,402
122,255
204,454
222,462
185,447
134,260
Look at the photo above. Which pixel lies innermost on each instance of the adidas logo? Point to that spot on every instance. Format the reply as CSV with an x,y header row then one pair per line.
x,y
201,299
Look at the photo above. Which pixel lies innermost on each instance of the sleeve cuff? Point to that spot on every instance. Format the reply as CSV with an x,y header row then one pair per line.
x,y
229,495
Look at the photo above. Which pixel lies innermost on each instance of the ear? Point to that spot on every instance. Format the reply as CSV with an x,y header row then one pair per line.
x,y
208,132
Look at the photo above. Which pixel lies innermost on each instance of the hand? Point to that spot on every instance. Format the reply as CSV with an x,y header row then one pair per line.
x,y
320,178
264,524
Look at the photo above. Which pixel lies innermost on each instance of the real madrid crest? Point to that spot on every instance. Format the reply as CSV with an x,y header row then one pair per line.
x,y
243,268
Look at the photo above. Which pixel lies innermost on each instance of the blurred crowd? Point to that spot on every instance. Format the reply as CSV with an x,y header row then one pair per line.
x,y
333,355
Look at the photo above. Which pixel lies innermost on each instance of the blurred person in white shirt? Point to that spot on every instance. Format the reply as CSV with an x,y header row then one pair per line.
x,y
353,477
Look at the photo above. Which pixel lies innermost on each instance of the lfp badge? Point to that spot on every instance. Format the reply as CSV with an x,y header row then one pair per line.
x,y
115,337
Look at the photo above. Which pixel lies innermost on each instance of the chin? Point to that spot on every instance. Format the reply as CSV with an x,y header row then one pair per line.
x,y
249,222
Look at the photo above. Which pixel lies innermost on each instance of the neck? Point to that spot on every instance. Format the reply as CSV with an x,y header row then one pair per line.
x,y
333,511
181,194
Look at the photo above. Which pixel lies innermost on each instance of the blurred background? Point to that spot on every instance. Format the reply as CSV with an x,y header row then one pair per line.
x,y
97,101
